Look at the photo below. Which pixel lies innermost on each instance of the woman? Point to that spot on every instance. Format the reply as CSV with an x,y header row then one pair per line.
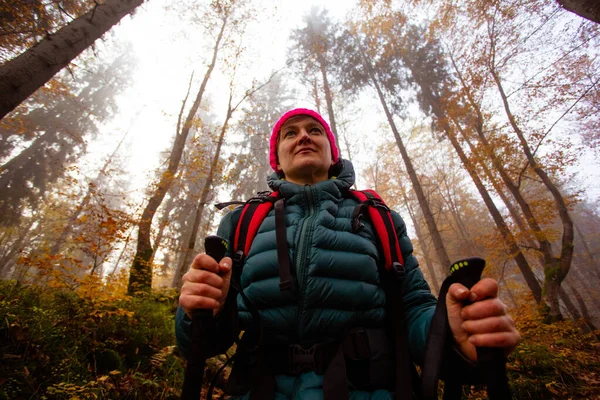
x,y
336,286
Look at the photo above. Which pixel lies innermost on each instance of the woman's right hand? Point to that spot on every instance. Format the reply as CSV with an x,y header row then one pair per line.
x,y
205,285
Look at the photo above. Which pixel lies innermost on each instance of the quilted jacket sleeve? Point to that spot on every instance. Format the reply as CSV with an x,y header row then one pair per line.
x,y
420,305
226,330
419,302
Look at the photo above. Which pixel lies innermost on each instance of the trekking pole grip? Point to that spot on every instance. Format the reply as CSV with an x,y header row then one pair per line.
x,y
202,324
491,360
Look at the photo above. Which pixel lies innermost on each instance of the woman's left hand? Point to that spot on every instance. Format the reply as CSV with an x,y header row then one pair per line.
x,y
484,322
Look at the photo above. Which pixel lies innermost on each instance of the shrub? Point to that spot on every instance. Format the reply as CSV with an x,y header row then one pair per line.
x,y
87,343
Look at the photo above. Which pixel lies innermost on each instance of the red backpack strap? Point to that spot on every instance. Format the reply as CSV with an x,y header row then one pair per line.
x,y
381,218
253,214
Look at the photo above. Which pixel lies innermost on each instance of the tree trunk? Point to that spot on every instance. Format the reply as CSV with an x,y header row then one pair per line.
x,y
423,204
422,240
507,235
23,75
585,315
140,278
588,9
9,256
587,286
556,272
329,100
189,252
461,229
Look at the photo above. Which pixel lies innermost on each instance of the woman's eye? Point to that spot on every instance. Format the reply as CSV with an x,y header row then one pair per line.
x,y
316,131
289,134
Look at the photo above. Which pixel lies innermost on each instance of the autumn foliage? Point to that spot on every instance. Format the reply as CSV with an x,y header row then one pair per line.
x,y
93,342
476,116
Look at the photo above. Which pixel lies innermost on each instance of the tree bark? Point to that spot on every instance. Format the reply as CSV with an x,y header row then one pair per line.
x,y
140,278
423,204
422,240
23,75
189,252
329,101
555,271
588,9
507,235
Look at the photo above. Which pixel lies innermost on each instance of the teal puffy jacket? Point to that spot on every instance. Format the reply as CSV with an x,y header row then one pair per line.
x,y
335,277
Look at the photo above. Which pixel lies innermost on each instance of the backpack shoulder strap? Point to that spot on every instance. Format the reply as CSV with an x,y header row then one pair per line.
x,y
381,218
254,212
372,206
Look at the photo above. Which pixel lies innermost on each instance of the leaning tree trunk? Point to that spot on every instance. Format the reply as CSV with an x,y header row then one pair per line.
x,y
140,278
422,240
423,203
588,9
189,252
556,271
23,75
434,102
507,235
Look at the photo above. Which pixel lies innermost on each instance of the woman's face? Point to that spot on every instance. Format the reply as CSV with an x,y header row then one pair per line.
x,y
303,150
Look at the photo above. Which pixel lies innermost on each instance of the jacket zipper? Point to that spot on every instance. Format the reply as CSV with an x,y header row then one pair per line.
x,y
302,253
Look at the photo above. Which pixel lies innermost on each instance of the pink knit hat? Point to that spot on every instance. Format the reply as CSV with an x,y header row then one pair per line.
x,y
288,115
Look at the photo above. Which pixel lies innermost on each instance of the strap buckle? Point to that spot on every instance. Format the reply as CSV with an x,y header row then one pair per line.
x,y
305,359
238,258
376,202
260,197
398,270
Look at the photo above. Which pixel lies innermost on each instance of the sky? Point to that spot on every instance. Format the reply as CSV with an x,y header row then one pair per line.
x,y
168,51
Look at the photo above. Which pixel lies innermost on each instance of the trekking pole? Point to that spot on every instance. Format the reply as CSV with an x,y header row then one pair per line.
x,y
491,361
202,323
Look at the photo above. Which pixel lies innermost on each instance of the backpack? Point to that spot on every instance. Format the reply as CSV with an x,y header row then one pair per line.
x,y
408,383
370,206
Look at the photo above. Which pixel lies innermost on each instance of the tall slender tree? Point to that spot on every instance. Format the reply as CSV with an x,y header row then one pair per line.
x,y
23,75
313,53
367,63
212,174
52,127
224,13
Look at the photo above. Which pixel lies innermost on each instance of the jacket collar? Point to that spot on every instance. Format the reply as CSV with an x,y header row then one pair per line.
x,y
336,185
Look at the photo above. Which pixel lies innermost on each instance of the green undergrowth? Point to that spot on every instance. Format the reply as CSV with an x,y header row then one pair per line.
x,y
63,344
57,343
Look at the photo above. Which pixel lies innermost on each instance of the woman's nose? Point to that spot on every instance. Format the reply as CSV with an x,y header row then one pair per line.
x,y
304,135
